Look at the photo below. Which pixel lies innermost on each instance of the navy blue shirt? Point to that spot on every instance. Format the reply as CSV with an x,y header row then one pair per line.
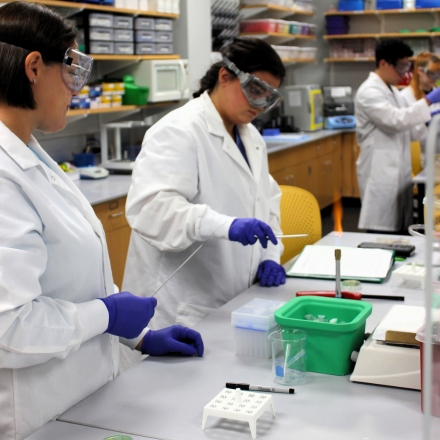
x,y
240,145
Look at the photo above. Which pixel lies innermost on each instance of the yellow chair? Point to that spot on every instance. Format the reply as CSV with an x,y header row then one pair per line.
x,y
300,214
416,158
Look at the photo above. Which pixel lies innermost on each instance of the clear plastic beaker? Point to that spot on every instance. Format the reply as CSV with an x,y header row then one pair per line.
x,y
289,357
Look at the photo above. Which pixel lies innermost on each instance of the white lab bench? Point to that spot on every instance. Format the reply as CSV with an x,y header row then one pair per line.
x,y
163,397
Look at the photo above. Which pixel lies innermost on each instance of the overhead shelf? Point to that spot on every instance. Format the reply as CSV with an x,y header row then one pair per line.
x,y
384,35
271,10
298,60
88,6
385,12
349,60
277,37
134,57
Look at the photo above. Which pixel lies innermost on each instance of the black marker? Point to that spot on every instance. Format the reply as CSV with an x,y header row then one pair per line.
x,y
248,387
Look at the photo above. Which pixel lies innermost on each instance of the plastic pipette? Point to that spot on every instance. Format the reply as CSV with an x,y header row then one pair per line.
x,y
338,273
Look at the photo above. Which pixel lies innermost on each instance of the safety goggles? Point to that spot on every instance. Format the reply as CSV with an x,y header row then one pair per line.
x,y
402,68
433,75
258,92
75,69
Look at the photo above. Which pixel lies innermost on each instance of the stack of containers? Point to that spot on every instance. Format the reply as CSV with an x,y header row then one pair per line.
x,y
123,35
355,48
351,5
389,4
252,324
420,4
153,35
337,24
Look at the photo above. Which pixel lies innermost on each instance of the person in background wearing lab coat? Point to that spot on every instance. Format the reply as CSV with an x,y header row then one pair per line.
x,y
385,126
202,177
59,318
426,72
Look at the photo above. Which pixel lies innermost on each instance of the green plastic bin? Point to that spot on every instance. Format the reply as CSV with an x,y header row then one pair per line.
x,y
133,94
329,346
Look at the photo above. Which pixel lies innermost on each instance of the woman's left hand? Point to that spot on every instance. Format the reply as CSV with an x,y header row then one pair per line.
x,y
173,339
271,274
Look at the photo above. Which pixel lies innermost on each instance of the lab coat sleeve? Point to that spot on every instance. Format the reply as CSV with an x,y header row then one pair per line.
x,y
165,179
386,116
33,327
274,252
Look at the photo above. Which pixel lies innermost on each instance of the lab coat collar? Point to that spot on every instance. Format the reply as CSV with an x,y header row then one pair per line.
x,y
380,82
17,149
254,146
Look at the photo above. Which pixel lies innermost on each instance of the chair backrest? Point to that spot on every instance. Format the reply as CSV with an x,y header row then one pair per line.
x,y
416,157
300,214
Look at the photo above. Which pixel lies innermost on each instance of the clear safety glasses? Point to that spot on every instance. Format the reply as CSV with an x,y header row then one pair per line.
x,y
258,92
75,69
402,68
433,75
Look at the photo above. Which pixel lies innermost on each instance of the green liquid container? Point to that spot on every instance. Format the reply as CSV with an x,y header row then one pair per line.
x,y
134,95
329,346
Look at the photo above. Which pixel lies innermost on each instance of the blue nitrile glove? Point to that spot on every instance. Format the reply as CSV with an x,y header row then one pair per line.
x,y
173,339
128,314
271,274
249,230
434,96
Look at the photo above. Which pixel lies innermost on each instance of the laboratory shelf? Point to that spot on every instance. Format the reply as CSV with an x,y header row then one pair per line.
x,y
276,37
270,10
383,35
298,60
88,6
348,60
385,12
133,57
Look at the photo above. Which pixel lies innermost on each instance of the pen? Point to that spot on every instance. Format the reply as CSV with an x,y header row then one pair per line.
x,y
249,387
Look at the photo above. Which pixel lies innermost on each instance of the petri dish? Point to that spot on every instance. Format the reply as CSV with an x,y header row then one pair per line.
x,y
351,285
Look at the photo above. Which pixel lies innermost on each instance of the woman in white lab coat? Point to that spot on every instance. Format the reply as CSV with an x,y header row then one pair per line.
x,y
202,177
426,72
385,126
57,308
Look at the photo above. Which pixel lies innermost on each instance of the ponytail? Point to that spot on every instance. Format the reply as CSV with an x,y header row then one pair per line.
x,y
209,81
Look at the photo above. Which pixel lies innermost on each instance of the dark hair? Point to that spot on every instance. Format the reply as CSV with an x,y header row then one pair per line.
x,y
392,50
249,55
25,27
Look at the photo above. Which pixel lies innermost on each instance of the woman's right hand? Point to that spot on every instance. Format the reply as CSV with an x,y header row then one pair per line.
x,y
128,314
249,230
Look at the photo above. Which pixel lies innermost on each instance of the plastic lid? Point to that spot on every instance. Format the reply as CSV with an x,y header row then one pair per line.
x,y
257,314
420,335
351,285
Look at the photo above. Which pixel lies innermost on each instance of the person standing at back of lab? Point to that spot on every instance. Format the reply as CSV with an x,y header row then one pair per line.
x,y
385,126
59,316
202,177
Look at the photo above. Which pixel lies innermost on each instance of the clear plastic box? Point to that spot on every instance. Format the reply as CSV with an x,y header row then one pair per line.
x,y
103,47
101,20
144,48
163,37
101,34
435,385
252,324
123,35
163,48
144,36
163,24
122,22
144,23
124,48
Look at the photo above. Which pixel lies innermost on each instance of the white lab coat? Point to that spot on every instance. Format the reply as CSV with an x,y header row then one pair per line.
x,y
384,129
190,180
53,266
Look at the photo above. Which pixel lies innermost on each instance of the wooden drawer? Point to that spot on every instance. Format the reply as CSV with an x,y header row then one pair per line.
x,y
112,214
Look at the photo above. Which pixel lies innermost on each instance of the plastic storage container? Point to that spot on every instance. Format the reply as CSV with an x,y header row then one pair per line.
x,y
329,345
163,48
295,27
122,22
435,385
282,51
262,25
163,37
351,5
144,36
144,23
100,34
144,48
420,4
101,20
163,24
389,4
124,48
122,35
252,324
134,95
103,47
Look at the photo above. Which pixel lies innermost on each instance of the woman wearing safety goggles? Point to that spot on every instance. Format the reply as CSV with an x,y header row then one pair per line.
x,y
202,176
426,73
58,312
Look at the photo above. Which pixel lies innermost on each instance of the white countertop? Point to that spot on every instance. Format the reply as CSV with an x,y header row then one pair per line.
x,y
117,185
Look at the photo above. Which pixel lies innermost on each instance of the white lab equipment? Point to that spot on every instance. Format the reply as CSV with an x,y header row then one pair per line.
x,y
112,157
246,406
252,324
410,275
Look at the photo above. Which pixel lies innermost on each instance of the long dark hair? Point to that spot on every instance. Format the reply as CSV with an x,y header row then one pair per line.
x,y
249,55
25,27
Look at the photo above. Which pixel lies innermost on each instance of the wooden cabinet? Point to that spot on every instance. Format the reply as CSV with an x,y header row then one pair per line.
x,y
315,166
350,153
117,231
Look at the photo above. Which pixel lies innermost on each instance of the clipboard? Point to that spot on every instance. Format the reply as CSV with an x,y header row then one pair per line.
x,y
370,265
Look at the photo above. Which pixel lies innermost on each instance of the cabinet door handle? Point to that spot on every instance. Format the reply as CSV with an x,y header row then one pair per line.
x,y
117,214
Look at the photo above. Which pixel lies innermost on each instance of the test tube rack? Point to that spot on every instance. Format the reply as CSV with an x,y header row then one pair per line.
x,y
239,405
412,274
